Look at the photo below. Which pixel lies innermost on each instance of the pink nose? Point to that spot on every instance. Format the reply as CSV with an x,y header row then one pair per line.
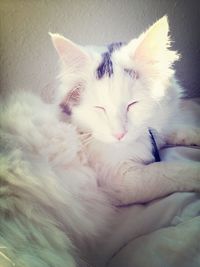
x,y
119,135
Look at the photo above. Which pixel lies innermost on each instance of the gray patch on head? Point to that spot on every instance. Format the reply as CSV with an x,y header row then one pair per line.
x,y
115,46
106,65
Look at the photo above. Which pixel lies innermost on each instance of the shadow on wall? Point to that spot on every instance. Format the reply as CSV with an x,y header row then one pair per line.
x,y
28,59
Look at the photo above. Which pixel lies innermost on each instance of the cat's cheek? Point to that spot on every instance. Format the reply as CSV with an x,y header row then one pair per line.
x,y
130,120
105,138
79,120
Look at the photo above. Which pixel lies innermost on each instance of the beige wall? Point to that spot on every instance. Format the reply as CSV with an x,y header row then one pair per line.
x,y
28,59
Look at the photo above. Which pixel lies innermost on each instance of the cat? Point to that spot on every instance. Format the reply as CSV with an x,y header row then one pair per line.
x,y
64,163
51,208
117,99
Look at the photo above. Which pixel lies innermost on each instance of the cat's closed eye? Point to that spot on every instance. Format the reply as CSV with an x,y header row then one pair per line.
x,y
131,105
100,108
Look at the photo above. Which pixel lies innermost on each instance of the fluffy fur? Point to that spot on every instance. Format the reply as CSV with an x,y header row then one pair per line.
x,y
137,91
116,96
49,197
54,174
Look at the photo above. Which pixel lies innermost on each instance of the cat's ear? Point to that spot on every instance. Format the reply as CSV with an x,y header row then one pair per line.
x,y
153,45
71,99
70,53
75,62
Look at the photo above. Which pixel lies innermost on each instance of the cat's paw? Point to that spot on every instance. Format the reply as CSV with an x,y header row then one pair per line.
x,y
183,136
118,183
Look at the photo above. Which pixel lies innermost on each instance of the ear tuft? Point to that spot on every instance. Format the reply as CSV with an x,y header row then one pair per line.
x,y
158,33
152,45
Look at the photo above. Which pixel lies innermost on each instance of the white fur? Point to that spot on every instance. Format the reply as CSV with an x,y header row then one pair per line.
x,y
46,184
102,113
50,175
155,90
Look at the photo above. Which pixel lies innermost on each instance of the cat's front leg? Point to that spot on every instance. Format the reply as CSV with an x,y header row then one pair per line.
x,y
136,183
183,135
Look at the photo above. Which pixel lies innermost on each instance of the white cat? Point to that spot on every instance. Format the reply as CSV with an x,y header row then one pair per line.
x,y
53,179
114,98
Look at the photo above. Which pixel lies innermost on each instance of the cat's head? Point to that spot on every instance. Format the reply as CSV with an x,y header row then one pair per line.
x,y
117,93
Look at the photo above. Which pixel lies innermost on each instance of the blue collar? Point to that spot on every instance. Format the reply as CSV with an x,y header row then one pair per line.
x,y
155,151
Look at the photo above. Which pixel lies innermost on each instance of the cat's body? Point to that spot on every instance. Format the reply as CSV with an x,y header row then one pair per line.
x,y
107,84
116,96
56,180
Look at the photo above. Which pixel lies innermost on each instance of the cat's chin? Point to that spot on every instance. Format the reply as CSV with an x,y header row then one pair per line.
x,y
112,141
107,140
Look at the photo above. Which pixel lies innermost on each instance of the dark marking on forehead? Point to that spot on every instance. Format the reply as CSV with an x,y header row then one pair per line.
x,y
114,46
106,65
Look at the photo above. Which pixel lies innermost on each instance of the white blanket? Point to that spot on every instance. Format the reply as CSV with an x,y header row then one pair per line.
x,y
164,232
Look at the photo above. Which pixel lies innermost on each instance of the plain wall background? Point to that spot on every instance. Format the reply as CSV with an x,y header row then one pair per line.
x,y
28,59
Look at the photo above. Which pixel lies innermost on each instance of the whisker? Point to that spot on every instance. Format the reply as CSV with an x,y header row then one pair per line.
x,y
87,141
86,138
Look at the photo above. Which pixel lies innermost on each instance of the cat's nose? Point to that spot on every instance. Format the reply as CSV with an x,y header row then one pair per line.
x,y
119,135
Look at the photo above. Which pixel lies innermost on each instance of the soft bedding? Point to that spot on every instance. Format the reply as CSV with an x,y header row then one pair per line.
x,y
164,232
